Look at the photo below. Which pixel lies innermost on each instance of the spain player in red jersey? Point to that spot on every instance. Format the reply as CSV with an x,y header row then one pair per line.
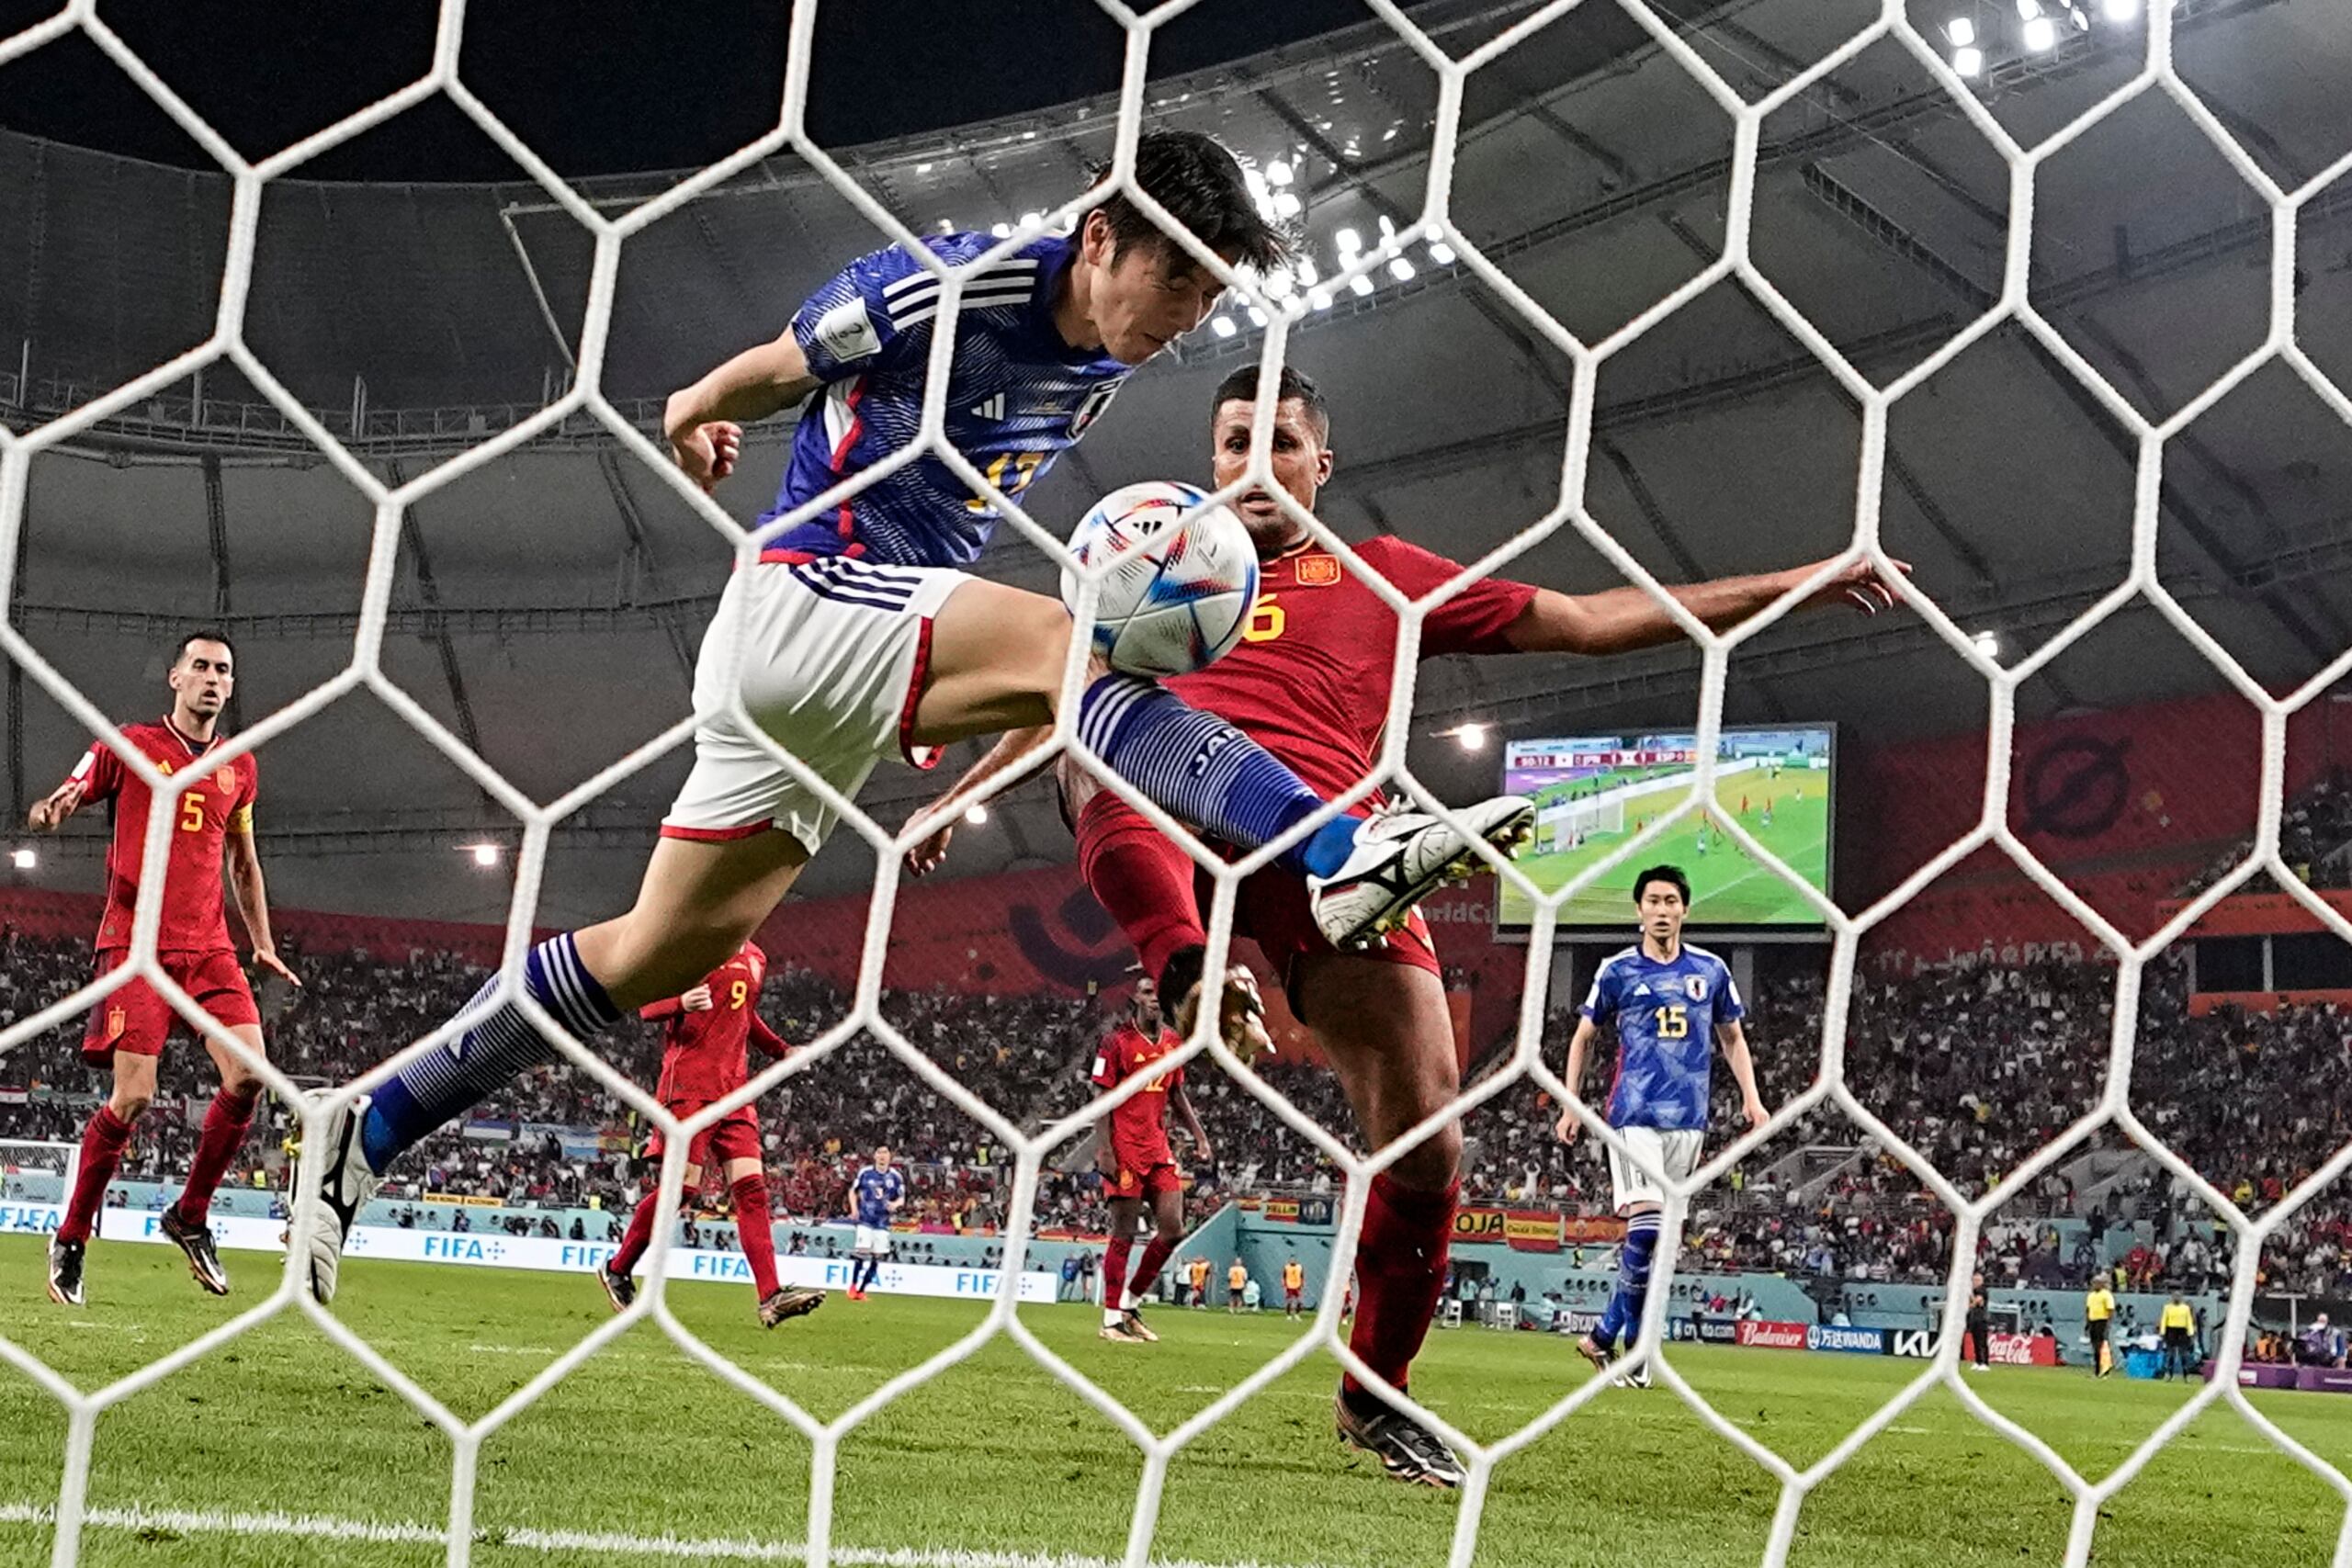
x,y
1137,1162
1311,683
129,1027
705,1056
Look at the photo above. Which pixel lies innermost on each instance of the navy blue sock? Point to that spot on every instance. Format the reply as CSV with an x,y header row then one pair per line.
x,y
1633,1270
1204,771
498,1046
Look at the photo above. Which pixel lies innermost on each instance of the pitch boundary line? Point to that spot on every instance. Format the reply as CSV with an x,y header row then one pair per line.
x,y
325,1527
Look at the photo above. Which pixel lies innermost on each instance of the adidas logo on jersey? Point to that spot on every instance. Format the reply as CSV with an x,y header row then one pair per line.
x,y
991,408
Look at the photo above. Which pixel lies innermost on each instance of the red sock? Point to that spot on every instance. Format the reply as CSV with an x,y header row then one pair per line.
x,y
225,1121
754,1227
1400,1266
1142,878
1115,1267
102,1145
1156,1254
639,1237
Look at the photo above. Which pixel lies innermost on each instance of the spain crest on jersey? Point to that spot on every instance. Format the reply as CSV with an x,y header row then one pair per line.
x,y
1695,987
1317,571
226,778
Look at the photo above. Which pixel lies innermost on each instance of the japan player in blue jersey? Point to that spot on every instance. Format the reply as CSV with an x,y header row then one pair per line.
x,y
876,1193
859,634
1672,1004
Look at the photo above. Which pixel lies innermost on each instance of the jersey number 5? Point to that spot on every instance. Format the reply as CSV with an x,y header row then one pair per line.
x,y
192,811
1674,1022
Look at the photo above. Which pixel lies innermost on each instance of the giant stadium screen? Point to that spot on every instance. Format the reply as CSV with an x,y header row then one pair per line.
x,y
1594,791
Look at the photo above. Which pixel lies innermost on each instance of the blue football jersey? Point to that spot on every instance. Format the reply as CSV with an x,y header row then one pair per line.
x,y
1017,396
873,1191
1666,1016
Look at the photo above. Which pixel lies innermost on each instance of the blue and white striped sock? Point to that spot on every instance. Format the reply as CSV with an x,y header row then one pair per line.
x,y
1204,771
495,1049
1633,1270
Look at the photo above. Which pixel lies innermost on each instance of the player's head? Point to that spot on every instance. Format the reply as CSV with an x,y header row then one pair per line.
x,y
1661,902
881,1157
1147,1005
1300,454
1140,290
203,675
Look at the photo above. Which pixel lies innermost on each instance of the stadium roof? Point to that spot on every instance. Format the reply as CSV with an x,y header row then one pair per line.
x,y
549,604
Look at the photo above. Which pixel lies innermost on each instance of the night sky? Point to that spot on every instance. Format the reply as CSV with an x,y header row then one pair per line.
x,y
596,87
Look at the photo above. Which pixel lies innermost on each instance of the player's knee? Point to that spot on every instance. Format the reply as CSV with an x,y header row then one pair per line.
x,y
1433,1164
130,1104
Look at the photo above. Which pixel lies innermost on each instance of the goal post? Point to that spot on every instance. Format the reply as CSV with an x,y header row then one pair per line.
x,y
34,1176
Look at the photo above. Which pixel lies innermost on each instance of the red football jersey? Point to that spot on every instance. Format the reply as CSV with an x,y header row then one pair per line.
x,y
195,916
1139,1123
1311,678
703,1054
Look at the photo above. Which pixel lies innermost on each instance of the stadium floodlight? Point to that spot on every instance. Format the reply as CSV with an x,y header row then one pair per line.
x,y
1401,270
922,169
1987,643
2028,10
2041,35
977,816
1001,230
1305,268
1349,241
1961,32
1320,299
1257,316
1442,254
1968,62
1471,736
1287,205
1223,326
484,854
2120,10
1278,172
2074,15
25,859
1360,286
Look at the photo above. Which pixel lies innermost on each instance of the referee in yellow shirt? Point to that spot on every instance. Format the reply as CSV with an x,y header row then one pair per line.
x,y
2099,1312
2179,1325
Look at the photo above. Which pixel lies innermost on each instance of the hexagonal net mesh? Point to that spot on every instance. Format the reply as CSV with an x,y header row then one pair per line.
x,y
1434,224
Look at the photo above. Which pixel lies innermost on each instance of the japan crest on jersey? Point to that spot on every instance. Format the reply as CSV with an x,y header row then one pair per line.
x,y
1090,407
1695,986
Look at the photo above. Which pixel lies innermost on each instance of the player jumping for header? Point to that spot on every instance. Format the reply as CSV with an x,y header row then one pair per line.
x,y
1136,1162
861,636
1672,1004
128,1028
1311,682
707,1035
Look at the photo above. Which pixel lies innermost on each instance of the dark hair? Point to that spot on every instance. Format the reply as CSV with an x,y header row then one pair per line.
x,y
180,651
1197,180
1672,874
1292,386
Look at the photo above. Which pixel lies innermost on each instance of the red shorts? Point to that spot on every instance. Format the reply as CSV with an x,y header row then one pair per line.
x,y
1272,910
733,1136
1142,1180
138,1020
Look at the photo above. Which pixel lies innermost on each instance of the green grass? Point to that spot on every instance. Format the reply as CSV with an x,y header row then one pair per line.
x,y
1726,887
997,1456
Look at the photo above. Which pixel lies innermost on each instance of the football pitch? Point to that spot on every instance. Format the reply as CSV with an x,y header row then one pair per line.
x,y
1727,887
279,1450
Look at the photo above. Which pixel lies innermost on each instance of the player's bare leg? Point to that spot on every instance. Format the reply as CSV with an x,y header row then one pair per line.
x,y
1168,1222
187,1223
997,657
1390,1037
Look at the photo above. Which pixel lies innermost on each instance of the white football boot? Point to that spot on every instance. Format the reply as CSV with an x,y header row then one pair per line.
x,y
344,1185
1402,855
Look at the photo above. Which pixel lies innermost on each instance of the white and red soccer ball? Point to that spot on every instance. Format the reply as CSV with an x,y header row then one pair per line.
x,y
1184,580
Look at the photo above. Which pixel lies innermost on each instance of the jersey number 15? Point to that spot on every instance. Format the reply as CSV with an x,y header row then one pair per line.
x,y
1674,1022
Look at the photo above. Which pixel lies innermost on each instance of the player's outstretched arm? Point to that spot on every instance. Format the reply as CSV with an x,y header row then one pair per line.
x,y
1200,1135
1573,1076
705,422
1623,619
49,812
252,897
929,853
768,1040
1733,1038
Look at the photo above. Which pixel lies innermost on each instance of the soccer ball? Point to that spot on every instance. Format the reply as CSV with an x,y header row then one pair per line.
x,y
1186,577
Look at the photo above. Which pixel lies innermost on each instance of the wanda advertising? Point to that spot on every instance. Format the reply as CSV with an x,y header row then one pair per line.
x,y
1771,1335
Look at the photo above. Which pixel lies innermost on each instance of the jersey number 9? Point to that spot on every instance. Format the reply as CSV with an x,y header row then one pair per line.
x,y
738,994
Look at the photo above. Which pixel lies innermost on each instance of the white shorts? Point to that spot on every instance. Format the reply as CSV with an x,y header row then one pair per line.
x,y
872,1241
835,652
1676,1152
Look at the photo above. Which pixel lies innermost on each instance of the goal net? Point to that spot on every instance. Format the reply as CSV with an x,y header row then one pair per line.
x,y
34,1179
40,1173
